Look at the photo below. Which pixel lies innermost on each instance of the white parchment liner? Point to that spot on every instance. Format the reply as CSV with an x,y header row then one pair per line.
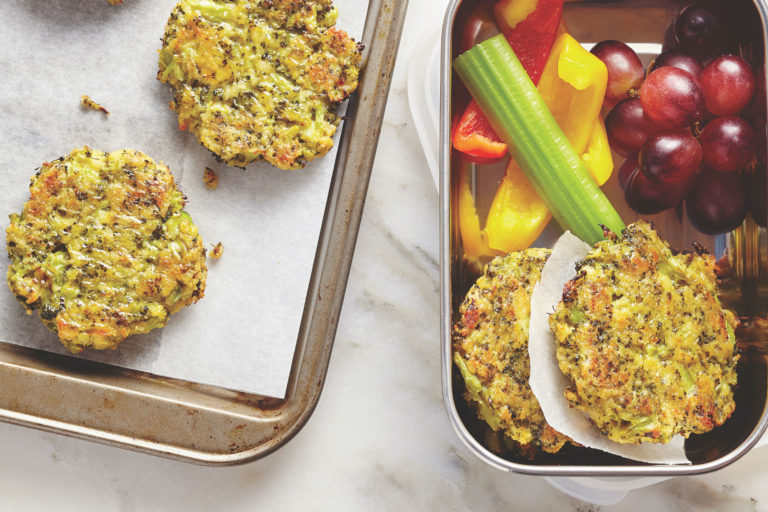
x,y
243,334
548,382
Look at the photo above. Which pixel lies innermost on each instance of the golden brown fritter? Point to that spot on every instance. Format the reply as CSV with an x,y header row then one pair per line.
x,y
490,343
259,79
103,248
649,351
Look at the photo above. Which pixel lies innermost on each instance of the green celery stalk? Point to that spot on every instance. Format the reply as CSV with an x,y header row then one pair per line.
x,y
476,392
500,85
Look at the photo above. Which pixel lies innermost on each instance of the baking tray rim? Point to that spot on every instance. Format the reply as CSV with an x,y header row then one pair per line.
x,y
466,437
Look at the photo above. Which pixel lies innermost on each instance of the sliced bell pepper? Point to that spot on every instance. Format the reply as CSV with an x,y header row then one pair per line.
x,y
474,136
598,157
518,215
473,238
573,86
530,26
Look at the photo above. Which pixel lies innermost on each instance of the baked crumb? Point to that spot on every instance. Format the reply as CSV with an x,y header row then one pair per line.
x,y
217,251
89,103
210,178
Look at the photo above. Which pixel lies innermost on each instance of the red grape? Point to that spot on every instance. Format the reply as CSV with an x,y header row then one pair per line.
x,y
670,41
718,202
628,127
480,25
626,170
700,31
647,197
625,71
670,157
728,83
679,60
672,97
728,143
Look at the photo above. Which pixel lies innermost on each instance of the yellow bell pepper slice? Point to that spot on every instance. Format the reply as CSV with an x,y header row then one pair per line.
x,y
598,157
473,239
573,86
513,12
517,215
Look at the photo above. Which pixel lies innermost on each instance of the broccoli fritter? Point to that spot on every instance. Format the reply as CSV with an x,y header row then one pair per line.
x,y
642,337
259,79
103,248
490,343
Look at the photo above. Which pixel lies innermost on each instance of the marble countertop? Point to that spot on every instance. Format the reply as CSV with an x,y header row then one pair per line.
x,y
380,438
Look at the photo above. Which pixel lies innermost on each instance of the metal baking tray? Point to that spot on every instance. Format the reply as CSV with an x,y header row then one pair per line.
x,y
205,424
745,249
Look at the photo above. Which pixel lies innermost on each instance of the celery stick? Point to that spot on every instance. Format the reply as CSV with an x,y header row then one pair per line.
x,y
516,110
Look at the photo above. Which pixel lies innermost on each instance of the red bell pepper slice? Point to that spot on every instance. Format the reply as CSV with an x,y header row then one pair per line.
x,y
531,39
474,136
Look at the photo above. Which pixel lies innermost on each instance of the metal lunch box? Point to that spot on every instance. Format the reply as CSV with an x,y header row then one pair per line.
x,y
641,24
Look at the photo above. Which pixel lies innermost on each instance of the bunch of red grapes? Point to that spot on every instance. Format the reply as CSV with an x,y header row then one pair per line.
x,y
680,127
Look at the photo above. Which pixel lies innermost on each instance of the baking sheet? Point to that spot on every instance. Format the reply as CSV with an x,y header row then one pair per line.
x,y
242,334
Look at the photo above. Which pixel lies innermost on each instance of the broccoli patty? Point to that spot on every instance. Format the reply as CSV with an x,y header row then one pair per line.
x,y
490,344
103,248
259,79
649,350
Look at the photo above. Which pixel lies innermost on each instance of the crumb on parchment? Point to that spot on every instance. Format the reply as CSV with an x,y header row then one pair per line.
x,y
217,251
89,103
210,178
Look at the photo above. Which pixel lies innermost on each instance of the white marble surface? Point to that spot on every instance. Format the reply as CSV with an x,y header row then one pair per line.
x,y
380,438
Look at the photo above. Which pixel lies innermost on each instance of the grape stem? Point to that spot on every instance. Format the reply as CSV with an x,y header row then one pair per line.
x,y
696,129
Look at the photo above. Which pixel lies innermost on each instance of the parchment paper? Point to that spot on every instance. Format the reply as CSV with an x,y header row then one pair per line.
x,y
242,334
548,382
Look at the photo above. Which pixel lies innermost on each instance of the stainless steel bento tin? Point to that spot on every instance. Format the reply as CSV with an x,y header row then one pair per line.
x,y
206,424
746,250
